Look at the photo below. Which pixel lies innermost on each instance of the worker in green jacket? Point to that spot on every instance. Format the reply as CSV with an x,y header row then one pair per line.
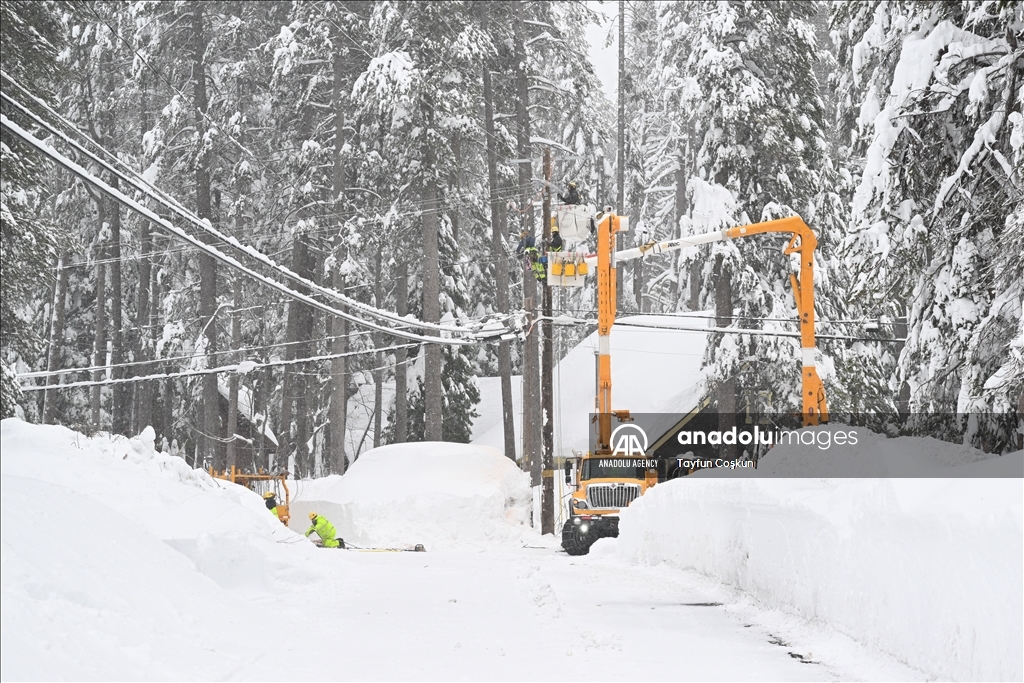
x,y
271,501
325,530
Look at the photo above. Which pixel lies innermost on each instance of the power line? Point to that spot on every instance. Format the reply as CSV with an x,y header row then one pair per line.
x,y
205,225
482,336
98,368
209,371
734,330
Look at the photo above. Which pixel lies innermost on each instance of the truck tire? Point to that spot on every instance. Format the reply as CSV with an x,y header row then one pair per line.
x,y
573,542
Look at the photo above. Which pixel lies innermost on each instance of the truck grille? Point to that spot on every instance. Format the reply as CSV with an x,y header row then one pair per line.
x,y
603,496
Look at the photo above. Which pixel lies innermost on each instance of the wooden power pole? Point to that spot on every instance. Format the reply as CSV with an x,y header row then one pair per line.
x,y
547,508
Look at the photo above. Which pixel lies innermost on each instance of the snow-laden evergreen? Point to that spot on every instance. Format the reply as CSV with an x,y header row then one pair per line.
x,y
931,97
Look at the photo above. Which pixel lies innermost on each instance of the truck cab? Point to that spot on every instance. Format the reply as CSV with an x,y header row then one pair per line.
x,y
602,484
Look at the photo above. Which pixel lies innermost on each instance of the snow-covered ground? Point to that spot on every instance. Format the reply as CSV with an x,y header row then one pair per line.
x,y
929,570
121,563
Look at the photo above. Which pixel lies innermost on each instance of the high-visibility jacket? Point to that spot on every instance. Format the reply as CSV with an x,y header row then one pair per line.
x,y
325,530
274,510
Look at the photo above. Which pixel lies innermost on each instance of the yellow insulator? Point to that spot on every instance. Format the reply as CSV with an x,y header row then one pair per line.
x,y
570,269
582,268
556,266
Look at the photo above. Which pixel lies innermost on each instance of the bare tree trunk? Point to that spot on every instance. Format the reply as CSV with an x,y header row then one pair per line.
x,y
378,358
339,388
120,412
433,392
100,347
501,274
209,446
401,356
284,437
143,403
293,388
531,395
338,413
59,310
143,407
301,264
531,360
236,343
723,318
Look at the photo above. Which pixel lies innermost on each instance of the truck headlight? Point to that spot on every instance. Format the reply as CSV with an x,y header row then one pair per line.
x,y
581,504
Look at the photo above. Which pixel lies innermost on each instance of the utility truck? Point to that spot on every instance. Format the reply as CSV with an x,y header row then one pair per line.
x,y
616,472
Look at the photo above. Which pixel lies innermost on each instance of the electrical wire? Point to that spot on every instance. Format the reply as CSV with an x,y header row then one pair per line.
x,y
211,371
205,226
486,336
98,368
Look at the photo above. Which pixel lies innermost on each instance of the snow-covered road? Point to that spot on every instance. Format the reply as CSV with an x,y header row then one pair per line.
x,y
121,563
535,614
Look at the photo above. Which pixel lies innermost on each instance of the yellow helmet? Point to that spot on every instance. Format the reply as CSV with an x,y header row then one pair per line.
x,y
312,515
268,495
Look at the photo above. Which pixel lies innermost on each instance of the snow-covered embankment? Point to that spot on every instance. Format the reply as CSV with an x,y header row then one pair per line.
x,y
928,570
442,495
117,561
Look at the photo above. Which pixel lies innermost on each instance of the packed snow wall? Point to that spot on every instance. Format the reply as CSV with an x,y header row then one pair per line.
x,y
121,563
441,495
930,571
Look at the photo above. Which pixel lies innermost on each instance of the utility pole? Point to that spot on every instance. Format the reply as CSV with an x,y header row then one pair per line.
x,y
547,507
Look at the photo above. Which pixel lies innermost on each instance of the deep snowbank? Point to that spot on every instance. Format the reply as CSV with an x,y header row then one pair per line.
x,y
928,570
443,495
116,560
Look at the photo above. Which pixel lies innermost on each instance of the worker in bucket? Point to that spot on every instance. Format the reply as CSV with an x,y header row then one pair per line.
x,y
270,499
325,530
556,243
572,195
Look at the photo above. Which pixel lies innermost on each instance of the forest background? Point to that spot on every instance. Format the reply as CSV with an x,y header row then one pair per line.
x,y
391,151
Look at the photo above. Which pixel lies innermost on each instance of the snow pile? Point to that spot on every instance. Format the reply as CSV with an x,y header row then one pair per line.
x,y
116,559
443,495
927,570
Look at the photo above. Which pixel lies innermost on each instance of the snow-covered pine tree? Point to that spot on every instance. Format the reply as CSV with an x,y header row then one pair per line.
x,y
419,89
656,152
29,243
745,73
933,104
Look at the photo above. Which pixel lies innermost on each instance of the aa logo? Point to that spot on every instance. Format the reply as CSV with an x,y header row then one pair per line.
x,y
629,440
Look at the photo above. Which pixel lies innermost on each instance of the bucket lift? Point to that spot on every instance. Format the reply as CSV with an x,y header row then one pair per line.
x,y
599,493
802,242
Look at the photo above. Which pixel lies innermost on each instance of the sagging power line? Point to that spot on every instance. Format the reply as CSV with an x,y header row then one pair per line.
x,y
484,334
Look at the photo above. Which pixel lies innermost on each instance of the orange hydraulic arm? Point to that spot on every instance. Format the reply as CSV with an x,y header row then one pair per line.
x,y
802,242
